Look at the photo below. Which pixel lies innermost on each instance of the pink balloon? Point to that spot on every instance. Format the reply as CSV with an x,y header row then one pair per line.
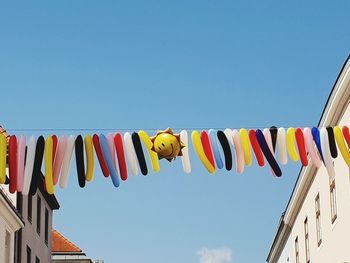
x,y
310,146
110,139
21,159
57,164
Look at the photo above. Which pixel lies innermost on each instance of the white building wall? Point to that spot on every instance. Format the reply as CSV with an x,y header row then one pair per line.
x,y
335,246
286,256
9,222
3,228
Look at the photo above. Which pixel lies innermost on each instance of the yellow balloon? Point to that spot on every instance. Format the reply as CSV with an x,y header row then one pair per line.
x,y
89,151
3,153
197,144
48,165
341,144
243,134
152,155
291,145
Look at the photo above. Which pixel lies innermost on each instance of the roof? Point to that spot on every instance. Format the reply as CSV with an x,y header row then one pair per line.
x,y
50,199
61,244
282,231
3,131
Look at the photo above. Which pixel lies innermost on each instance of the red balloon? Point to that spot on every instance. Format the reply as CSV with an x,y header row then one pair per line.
x,y
207,147
54,147
118,142
256,148
13,169
101,159
299,136
346,134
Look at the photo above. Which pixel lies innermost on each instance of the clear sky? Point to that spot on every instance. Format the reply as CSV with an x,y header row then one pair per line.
x,y
184,64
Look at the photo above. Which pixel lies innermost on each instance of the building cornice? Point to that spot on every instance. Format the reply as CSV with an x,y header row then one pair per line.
x,y
9,213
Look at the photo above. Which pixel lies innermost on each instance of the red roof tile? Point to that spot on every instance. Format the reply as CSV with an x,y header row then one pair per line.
x,y
62,244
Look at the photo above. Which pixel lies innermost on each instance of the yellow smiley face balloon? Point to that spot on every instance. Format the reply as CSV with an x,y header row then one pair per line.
x,y
167,144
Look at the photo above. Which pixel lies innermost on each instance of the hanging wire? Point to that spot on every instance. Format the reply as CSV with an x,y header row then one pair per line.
x,y
136,129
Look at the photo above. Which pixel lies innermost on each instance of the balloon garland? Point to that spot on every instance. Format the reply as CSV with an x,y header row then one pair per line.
x,y
117,153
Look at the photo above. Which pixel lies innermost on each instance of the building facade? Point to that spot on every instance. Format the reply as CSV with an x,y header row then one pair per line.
x,y
33,241
315,226
10,222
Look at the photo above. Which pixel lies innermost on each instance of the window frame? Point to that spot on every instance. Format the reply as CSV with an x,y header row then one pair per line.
x,y
28,254
333,200
307,243
46,234
318,219
7,246
38,215
30,208
296,249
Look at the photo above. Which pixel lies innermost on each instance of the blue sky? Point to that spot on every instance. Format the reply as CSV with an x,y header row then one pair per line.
x,y
184,64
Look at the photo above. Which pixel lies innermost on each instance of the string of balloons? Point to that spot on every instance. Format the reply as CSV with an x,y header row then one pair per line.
x,y
119,154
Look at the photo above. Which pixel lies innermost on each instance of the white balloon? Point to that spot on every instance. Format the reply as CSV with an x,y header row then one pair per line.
x,y
28,169
67,162
282,146
327,152
186,164
267,135
130,153
228,133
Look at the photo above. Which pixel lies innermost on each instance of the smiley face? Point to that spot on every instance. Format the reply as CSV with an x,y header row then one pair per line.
x,y
167,146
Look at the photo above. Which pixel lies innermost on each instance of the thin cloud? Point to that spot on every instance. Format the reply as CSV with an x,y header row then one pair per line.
x,y
217,255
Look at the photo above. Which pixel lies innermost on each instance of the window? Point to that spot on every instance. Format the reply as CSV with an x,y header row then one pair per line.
x,y
37,260
38,215
296,248
30,205
46,226
333,200
29,255
318,220
307,247
18,246
20,203
7,246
